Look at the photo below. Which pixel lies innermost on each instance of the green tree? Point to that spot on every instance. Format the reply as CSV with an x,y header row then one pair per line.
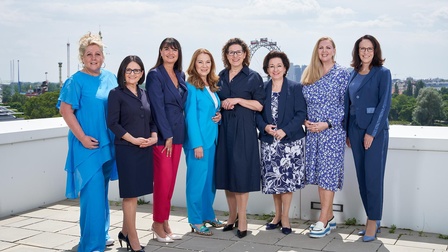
x,y
409,88
42,106
418,86
401,108
396,90
6,93
429,107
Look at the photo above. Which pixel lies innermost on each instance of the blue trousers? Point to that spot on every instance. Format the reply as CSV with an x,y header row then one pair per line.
x,y
94,218
370,167
200,186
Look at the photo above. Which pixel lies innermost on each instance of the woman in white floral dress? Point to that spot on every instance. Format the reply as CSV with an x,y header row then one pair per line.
x,y
282,138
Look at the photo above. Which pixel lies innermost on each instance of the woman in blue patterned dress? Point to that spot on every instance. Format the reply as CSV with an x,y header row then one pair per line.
x,y
282,138
324,84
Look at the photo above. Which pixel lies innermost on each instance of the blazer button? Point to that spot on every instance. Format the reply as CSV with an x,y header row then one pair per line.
x,y
141,116
357,97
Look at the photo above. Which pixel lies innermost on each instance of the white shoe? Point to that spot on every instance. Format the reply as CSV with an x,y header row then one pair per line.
x,y
332,223
320,230
110,242
174,236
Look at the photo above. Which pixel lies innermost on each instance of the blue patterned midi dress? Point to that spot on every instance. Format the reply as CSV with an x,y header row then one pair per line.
x,y
324,151
283,164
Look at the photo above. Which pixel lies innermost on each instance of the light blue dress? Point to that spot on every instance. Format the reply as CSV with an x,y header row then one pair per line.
x,y
88,171
324,151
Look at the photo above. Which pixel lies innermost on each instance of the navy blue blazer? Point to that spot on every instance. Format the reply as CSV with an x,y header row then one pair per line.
x,y
372,102
167,104
129,113
291,112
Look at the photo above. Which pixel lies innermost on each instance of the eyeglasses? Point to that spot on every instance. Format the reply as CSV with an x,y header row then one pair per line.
x,y
364,49
136,71
233,53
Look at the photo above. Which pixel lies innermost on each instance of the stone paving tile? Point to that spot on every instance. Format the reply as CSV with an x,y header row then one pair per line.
x,y
23,248
7,221
13,234
73,231
249,246
422,240
304,241
24,222
288,249
5,245
205,244
64,215
51,226
41,213
47,240
395,248
351,246
270,237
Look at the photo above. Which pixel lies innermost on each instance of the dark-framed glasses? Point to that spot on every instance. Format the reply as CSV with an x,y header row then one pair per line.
x,y
233,53
364,49
135,71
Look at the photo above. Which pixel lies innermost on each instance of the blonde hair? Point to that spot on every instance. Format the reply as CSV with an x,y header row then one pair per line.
x,y
87,40
195,79
314,71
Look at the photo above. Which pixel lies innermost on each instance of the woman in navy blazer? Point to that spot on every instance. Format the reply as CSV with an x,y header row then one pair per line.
x,y
282,138
167,94
129,118
201,118
367,106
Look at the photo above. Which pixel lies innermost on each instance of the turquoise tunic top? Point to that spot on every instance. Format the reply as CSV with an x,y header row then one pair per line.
x,y
87,95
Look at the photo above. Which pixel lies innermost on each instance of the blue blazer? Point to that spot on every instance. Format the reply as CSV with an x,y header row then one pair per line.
x,y
199,110
372,101
291,112
167,104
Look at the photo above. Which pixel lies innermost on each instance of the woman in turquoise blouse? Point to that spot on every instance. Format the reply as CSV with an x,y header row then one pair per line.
x,y
90,161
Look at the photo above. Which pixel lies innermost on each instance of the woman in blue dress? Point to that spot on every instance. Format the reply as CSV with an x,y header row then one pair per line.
x,y
324,84
237,155
282,138
90,161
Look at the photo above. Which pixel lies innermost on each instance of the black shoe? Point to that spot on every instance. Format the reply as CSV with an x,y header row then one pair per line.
x,y
270,226
286,230
121,238
229,227
129,247
241,234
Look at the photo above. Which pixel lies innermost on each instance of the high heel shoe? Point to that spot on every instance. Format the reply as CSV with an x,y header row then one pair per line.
x,y
270,225
121,238
203,230
215,223
167,239
367,238
229,227
128,245
241,234
363,232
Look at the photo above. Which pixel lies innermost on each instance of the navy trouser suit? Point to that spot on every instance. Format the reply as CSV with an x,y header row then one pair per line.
x,y
367,106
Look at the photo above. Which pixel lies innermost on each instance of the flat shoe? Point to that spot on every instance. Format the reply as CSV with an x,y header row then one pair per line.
x,y
286,230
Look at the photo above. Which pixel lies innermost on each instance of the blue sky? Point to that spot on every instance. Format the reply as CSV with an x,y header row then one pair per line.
x,y
413,34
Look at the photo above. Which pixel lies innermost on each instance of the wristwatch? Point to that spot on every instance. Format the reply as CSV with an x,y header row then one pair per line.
x,y
329,123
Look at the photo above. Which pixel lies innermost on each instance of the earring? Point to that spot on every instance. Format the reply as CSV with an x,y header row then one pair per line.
x,y
104,65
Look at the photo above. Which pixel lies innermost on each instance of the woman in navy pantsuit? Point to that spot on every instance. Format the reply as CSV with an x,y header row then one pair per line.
x,y
201,118
129,117
367,106
167,92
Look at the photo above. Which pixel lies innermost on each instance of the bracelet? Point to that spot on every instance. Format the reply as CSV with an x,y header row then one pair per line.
x,y
329,123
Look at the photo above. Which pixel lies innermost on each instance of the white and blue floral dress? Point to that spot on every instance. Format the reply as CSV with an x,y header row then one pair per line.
x,y
282,163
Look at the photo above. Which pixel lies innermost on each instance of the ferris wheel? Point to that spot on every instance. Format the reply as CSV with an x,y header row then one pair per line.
x,y
263,42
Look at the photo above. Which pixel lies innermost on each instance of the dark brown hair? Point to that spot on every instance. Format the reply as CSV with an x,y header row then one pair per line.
x,y
225,50
122,70
174,44
377,55
275,54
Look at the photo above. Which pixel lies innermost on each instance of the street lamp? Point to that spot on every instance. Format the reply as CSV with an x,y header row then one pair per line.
x,y
46,79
